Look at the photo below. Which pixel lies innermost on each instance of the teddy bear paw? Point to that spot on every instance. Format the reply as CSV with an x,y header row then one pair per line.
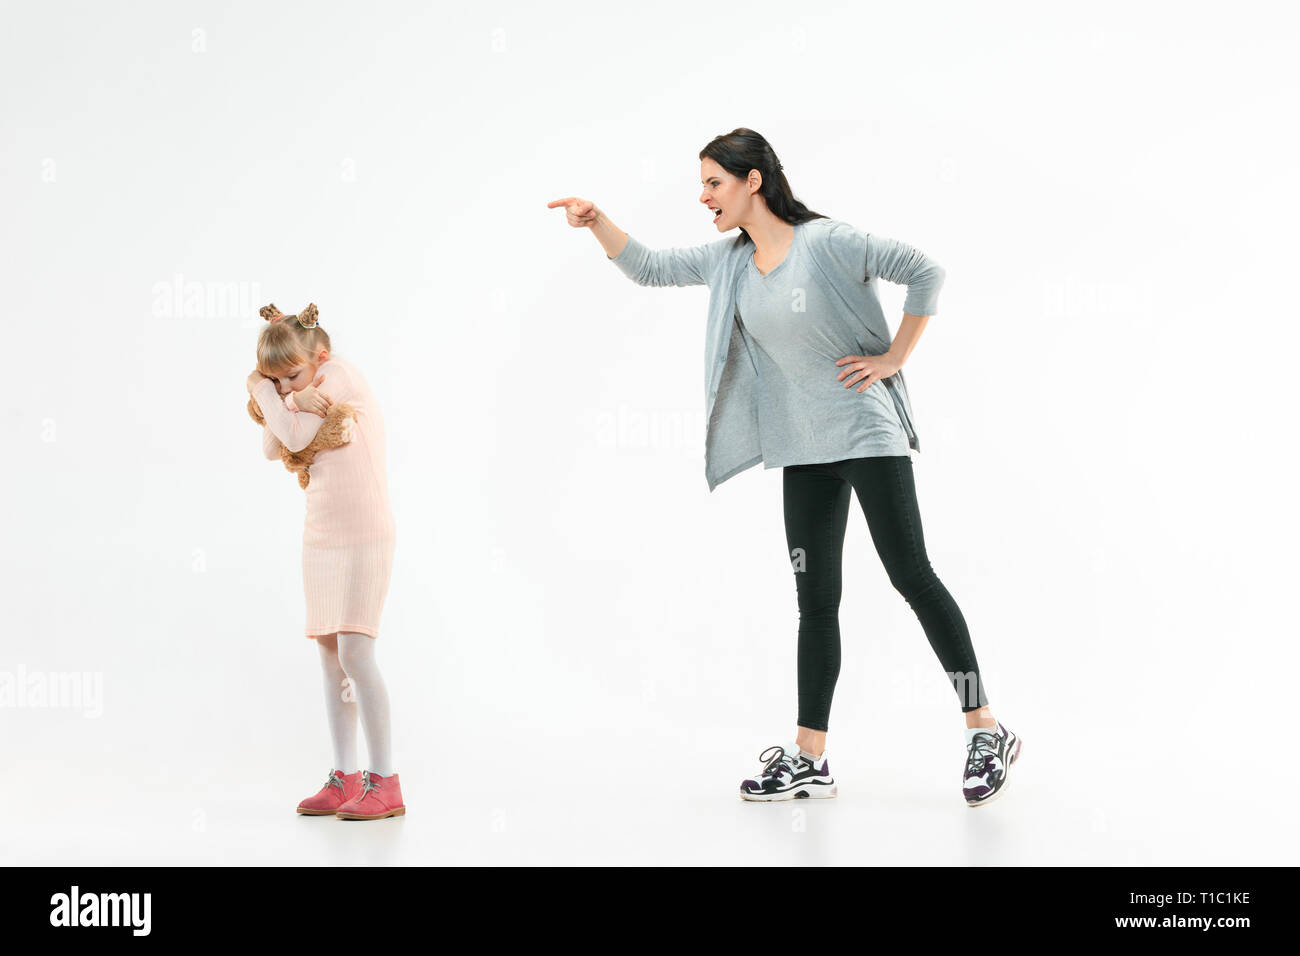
x,y
346,428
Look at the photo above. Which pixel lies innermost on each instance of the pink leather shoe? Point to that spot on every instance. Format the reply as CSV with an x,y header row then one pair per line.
x,y
378,797
339,788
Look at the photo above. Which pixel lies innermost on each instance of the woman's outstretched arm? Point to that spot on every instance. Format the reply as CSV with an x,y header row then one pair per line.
x,y
611,238
583,214
683,265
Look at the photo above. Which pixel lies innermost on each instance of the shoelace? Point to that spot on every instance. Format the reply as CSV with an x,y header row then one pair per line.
x,y
982,745
335,780
366,785
773,767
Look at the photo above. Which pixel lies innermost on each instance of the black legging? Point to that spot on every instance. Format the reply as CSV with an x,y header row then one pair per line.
x,y
816,512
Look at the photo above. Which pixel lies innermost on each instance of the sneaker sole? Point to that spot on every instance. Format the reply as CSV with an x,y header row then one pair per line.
x,y
400,811
817,792
316,813
1006,778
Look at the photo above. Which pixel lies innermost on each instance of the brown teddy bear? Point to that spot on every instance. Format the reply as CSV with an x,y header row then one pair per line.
x,y
334,431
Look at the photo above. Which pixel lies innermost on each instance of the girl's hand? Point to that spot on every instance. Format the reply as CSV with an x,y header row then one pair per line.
x,y
253,378
310,400
579,212
867,369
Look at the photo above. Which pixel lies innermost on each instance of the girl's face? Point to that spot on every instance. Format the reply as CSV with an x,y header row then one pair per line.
x,y
298,377
725,192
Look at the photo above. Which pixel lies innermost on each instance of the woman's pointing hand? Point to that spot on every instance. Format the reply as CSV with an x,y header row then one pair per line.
x,y
580,212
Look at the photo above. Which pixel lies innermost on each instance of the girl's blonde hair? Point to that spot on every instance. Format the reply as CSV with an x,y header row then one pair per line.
x,y
289,340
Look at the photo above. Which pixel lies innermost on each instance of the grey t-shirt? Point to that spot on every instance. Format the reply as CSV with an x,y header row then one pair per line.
x,y
794,334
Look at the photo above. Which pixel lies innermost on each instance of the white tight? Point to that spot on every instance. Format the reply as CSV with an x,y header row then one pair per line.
x,y
352,684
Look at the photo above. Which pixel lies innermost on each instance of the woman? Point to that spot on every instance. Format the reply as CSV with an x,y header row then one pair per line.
x,y
801,373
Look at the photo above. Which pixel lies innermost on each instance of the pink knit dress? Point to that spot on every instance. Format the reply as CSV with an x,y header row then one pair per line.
x,y
349,535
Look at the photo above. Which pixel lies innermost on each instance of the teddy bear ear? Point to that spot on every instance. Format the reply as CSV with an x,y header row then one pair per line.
x,y
270,312
308,317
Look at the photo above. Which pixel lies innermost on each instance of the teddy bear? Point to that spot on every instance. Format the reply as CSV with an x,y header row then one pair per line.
x,y
334,431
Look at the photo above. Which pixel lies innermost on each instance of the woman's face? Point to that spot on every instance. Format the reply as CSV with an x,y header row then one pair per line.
x,y
725,192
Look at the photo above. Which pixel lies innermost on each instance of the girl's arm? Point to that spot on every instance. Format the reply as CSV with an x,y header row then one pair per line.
x,y
295,430
338,385
270,444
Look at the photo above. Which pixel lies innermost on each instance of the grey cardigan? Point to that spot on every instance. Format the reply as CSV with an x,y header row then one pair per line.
x,y
848,259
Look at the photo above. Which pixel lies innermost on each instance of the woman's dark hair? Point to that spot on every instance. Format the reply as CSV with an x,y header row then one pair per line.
x,y
742,150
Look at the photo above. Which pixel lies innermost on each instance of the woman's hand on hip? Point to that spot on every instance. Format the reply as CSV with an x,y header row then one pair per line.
x,y
864,370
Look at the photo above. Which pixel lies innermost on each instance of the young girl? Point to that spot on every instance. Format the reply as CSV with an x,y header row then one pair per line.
x,y
347,549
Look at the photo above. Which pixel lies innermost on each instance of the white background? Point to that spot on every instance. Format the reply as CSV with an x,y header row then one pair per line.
x,y
585,649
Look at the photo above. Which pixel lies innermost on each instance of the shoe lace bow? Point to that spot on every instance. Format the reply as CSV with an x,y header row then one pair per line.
x,y
774,765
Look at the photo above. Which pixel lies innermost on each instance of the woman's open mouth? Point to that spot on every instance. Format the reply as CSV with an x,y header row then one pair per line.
x,y
716,213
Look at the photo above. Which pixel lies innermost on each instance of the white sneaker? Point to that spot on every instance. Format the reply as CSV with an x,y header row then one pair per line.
x,y
789,775
989,758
